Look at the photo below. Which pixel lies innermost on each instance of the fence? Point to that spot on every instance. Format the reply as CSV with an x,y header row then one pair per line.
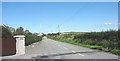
x,y
8,46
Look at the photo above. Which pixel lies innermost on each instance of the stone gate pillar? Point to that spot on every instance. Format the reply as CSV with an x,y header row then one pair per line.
x,y
20,44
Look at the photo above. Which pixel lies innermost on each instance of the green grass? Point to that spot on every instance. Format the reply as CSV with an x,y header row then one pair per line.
x,y
114,51
79,44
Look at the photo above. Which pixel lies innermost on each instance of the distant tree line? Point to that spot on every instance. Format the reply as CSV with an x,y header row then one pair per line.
x,y
9,32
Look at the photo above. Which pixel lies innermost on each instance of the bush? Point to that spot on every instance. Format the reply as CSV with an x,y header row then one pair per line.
x,y
31,39
105,40
115,51
89,42
6,33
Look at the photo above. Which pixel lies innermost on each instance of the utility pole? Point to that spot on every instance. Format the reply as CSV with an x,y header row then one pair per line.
x,y
58,28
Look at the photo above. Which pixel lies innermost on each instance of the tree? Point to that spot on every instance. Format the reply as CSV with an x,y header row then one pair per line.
x,y
36,34
27,31
6,33
12,30
19,31
43,34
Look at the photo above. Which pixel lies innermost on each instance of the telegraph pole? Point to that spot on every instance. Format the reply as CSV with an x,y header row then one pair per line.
x,y
59,28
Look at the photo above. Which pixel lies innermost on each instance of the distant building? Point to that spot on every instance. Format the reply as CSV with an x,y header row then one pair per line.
x,y
39,34
63,33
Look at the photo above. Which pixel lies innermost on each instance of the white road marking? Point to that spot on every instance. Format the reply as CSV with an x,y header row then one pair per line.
x,y
81,54
33,46
73,51
65,48
78,54
59,45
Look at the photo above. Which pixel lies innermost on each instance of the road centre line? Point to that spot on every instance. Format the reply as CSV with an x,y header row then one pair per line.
x,y
65,48
59,45
78,54
33,46
73,51
81,54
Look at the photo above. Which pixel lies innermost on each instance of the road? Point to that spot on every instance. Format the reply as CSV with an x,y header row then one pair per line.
x,y
51,49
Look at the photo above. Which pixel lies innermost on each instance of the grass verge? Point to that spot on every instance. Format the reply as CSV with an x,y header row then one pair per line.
x,y
114,51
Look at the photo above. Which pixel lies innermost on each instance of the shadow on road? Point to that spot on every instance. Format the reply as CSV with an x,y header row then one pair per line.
x,y
53,55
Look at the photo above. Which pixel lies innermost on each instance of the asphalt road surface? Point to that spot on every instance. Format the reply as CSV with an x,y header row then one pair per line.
x,y
51,49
